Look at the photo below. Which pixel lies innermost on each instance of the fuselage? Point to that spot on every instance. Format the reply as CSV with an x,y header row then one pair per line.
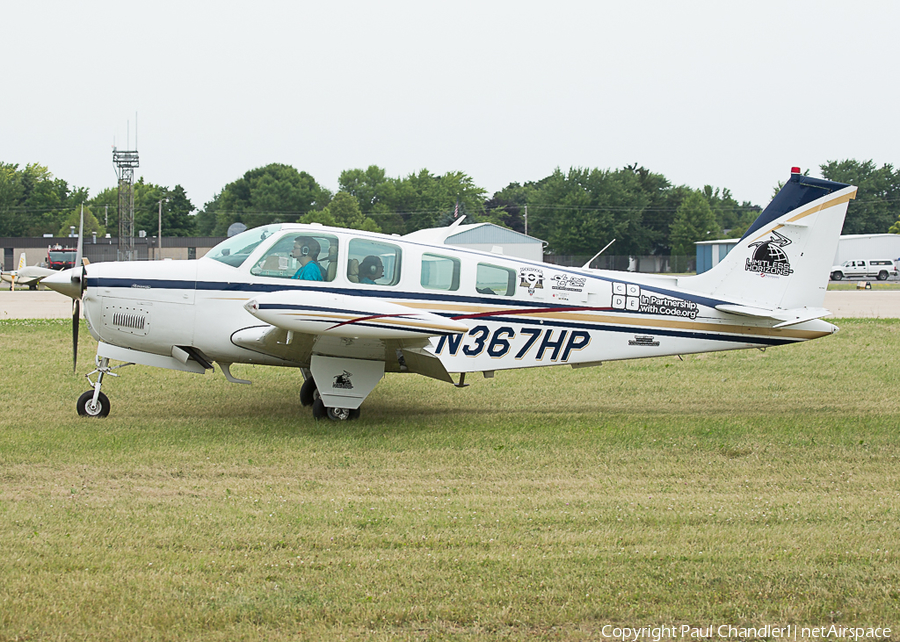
x,y
478,311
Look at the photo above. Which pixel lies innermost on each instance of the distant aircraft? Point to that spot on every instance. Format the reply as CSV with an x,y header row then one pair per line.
x,y
27,275
414,304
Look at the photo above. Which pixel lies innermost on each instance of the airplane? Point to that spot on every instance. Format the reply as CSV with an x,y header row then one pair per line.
x,y
27,275
415,304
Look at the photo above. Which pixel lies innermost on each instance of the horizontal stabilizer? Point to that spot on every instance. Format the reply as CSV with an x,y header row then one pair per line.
x,y
786,317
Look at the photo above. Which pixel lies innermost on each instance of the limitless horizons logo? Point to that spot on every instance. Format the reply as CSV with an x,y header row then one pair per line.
x,y
343,381
769,257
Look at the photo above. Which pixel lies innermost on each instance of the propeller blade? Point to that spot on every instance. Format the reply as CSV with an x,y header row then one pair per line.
x,y
80,251
76,319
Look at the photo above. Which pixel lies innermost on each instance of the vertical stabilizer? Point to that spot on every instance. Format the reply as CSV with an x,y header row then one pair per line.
x,y
784,259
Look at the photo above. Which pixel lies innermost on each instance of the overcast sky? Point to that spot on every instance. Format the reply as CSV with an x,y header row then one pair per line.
x,y
730,94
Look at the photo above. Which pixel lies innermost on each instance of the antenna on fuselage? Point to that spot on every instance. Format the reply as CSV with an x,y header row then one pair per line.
x,y
588,264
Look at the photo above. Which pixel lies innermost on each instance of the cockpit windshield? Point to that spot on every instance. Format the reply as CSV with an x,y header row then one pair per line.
x,y
234,251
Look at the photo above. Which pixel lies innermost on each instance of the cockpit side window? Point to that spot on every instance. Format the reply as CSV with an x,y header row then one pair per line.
x,y
301,256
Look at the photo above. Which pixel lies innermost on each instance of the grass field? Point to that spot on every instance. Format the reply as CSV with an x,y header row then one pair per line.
x,y
743,488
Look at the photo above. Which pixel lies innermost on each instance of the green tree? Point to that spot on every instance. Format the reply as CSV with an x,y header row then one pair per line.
x,y
694,221
581,211
177,209
346,212
424,200
32,201
275,193
73,220
508,206
877,204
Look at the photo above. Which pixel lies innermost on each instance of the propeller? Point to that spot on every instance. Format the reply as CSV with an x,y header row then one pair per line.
x,y
79,279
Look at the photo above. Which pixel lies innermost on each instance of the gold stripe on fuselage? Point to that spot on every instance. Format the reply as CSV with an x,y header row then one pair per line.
x,y
600,317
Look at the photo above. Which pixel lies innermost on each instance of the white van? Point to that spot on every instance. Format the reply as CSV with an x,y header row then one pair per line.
x,y
878,269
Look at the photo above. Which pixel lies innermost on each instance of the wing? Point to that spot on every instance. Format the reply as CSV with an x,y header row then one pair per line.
x,y
303,323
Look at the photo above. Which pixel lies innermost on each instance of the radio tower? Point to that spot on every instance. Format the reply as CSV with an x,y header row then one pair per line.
x,y
125,163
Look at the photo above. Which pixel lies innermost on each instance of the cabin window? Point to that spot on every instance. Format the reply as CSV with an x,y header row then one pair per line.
x,y
440,273
301,256
493,279
373,263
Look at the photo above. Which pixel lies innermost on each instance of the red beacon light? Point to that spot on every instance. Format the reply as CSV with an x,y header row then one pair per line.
x,y
795,170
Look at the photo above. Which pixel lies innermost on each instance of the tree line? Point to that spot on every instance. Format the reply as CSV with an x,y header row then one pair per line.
x,y
576,211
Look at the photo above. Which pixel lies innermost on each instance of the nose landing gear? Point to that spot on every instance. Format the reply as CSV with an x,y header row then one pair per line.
x,y
94,403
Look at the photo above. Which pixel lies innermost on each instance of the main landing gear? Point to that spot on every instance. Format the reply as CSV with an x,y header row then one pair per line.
x,y
94,403
309,396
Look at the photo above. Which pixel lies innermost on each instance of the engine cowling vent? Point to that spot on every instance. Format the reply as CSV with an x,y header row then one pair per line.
x,y
127,318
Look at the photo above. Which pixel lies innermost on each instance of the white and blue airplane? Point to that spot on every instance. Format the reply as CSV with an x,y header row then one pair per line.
x,y
414,304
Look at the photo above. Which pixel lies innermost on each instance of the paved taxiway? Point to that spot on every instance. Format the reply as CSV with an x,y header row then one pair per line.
x,y
28,304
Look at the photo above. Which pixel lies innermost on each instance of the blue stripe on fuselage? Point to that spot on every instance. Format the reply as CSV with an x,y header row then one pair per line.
x,y
256,288
499,317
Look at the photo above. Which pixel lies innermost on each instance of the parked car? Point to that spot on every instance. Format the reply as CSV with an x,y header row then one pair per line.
x,y
878,269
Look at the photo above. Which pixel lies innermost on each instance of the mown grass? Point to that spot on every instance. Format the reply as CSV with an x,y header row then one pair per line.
x,y
742,488
855,284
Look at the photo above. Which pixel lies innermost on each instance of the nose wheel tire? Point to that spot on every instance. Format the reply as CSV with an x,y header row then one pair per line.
x,y
87,407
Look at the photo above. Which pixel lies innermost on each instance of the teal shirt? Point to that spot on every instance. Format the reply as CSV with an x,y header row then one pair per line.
x,y
309,272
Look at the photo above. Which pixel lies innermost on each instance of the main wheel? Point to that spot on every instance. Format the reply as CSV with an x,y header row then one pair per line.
x,y
339,414
335,414
883,275
309,392
319,409
837,276
87,408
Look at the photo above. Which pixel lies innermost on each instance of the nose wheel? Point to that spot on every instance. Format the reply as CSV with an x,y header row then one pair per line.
x,y
90,407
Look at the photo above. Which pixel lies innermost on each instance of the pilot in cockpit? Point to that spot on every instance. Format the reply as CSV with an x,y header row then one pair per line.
x,y
306,251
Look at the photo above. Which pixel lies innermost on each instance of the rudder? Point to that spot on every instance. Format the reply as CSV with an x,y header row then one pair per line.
x,y
784,259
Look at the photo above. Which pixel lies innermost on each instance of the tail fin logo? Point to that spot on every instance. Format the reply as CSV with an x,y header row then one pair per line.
x,y
769,258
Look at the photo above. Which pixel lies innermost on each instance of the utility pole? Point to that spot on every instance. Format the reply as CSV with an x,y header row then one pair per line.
x,y
526,219
159,238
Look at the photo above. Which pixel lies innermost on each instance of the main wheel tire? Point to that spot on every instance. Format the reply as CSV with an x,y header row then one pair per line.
x,y
319,409
87,408
340,414
837,276
309,392
883,275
